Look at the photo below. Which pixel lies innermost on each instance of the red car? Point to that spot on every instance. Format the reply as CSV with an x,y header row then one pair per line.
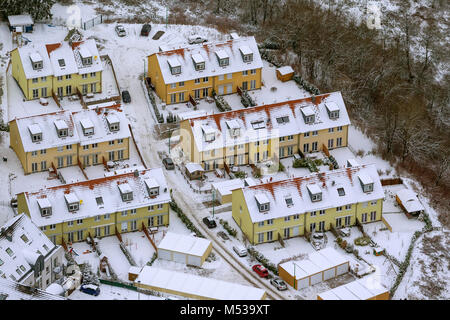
x,y
260,270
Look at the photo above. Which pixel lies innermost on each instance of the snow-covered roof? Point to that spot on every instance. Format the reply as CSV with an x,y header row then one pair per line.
x,y
99,121
285,70
36,52
352,163
14,291
307,111
225,187
191,114
208,51
221,54
192,285
365,179
87,48
313,188
71,198
193,167
45,124
245,50
62,59
331,106
329,182
184,244
266,117
261,198
20,20
151,183
61,124
88,191
198,58
27,244
409,200
360,289
316,262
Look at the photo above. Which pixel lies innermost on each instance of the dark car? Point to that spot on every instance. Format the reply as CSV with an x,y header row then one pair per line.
x,y
146,30
168,163
126,96
91,289
223,235
210,223
260,270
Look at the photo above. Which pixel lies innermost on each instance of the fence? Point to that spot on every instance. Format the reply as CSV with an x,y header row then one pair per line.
x,y
91,22
389,182
118,284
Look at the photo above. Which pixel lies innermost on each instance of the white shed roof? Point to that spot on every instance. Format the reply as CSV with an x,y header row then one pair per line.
x,y
20,20
225,187
409,200
192,285
185,244
192,167
285,70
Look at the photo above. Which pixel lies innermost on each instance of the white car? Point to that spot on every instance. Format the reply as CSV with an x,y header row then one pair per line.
x,y
120,30
196,39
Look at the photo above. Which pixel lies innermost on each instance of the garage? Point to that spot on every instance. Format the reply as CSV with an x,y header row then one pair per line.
x,y
362,289
184,249
319,266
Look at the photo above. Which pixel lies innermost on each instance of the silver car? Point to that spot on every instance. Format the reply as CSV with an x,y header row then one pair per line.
x,y
279,284
120,30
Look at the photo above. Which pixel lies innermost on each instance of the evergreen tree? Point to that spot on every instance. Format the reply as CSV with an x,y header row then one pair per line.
x,y
38,9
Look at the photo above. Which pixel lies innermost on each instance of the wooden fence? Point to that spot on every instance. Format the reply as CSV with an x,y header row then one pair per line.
x,y
390,182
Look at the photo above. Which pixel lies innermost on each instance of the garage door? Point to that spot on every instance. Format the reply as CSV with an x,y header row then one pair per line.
x,y
194,261
343,268
164,254
179,257
328,274
303,283
316,278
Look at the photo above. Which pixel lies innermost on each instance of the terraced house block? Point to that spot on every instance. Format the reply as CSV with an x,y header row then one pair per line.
x,y
65,138
316,202
198,70
57,69
99,207
267,132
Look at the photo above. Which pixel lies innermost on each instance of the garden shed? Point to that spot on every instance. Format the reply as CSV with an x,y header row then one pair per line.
x,y
184,249
24,22
361,289
319,266
223,189
285,73
409,201
194,171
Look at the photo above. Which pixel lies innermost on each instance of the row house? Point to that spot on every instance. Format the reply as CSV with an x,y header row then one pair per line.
x,y
301,205
57,69
99,207
27,256
68,138
266,132
194,72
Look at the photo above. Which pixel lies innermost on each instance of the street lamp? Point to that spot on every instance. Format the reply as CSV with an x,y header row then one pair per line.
x,y
139,293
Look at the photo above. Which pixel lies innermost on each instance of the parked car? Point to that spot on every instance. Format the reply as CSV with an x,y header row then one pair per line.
x,y
279,284
209,221
146,28
261,270
91,289
196,39
240,251
126,96
168,163
120,30
223,235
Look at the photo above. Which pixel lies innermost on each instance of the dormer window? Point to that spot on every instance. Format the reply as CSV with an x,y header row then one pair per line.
x,y
247,54
263,202
61,128
308,114
314,192
234,128
333,110
366,182
113,122
126,192
175,65
36,61
152,187
44,207
208,133
258,124
199,62
222,58
282,120
72,202
87,126
86,56
288,200
35,132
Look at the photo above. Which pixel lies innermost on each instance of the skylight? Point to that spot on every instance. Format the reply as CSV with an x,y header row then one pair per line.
x,y
284,119
259,124
341,192
61,62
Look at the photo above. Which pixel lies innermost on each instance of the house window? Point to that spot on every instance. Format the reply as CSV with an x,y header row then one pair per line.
x,y
245,85
339,209
290,150
133,225
364,217
338,222
60,162
33,153
306,134
288,218
373,215
281,139
173,98
296,216
287,232
321,212
252,84
291,137
86,146
339,128
312,227
111,142
35,80
107,230
160,220
93,74
253,71
313,213
314,146
68,89
84,88
94,145
70,223
373,203
52,227
348,207
181,96
35,93
330,130
150,208
124,213
59,78
111,155
69,160
261,224
245,73
133,211
94,158
79,221
106,216
197,80
181,84
197,94
68,76
330,143
269,235
80,235
347,220
270,221
260,237
173,85
97,218
339,142
69,147
205,79
97,232
160,206
315,133
306,147
321,225
84,76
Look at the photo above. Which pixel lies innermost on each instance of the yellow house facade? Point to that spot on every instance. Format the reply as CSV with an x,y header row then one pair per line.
x,y
198,70
60,69
99,207
268,132
289,208
62,139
